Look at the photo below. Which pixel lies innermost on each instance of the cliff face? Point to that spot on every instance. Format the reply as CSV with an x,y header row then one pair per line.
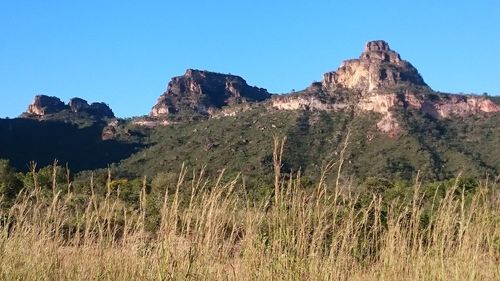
x,y
378,81
204,91
453,105
377,67
384,103
44,105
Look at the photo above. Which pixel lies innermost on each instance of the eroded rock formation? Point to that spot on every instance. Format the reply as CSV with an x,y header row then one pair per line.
x,y
377,67
44,105
204,91
378,81
100,109
78,104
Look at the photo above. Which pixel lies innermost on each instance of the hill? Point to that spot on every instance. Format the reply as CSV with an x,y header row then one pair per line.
x,y
397,127
73,134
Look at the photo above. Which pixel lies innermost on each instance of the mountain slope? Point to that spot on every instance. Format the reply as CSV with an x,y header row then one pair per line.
x,y
398,127
439,149
25,140
71,133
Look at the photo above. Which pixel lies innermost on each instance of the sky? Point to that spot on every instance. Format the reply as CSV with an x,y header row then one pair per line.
x,y
125,52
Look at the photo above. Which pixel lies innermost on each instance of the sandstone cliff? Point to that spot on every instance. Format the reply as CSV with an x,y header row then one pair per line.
x,y
377,67
204,91
378,81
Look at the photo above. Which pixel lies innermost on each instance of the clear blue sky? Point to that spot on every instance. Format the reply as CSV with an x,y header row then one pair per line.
x,y
125,52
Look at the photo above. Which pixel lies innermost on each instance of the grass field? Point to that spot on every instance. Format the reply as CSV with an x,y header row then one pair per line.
x,y
217,233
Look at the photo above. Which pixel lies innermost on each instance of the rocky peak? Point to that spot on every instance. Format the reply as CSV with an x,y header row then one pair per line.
x,y
378,67
379,52
377,46
44,105
383,82
203,91
78,104
100,109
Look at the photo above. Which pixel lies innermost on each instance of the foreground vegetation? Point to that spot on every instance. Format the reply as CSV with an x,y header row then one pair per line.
x,y
203,229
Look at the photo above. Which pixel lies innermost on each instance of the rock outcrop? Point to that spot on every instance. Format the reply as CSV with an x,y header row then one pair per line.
x,y
78,105
378,67
100,109
378,81
204,91
44,105
305,102
457,105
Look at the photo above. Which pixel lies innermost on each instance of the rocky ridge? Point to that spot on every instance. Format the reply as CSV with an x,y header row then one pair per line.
x,y
43,106
378,81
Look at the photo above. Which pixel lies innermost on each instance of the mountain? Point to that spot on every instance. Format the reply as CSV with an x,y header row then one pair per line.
x,y
203,92
395,126
398,126
380,81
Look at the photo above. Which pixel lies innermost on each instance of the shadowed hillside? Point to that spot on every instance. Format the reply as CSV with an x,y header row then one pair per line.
x,y
25,140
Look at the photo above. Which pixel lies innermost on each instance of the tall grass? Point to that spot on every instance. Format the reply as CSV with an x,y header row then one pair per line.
x,y
217,233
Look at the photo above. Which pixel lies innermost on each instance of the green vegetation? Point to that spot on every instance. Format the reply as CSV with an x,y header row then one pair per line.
x,y
249,192
189,225
437,149
10,183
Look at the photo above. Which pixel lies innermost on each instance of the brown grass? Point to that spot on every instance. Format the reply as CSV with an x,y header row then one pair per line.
x,y
218,234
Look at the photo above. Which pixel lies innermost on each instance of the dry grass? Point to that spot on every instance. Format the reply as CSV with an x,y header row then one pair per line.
x,y
218,234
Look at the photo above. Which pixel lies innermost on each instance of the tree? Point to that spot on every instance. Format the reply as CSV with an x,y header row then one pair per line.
x,y
10,184
377,185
